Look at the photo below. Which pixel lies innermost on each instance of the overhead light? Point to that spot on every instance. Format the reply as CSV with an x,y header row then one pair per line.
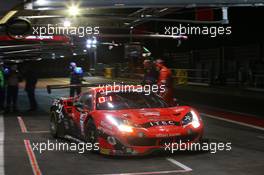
x,y
163,10
225,15
74,54
120,4
95,41
110,47
62,56
67,23
89,41
84,50
41,2
74,10
148,16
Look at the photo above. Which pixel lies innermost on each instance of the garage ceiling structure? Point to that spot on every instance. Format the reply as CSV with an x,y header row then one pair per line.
x,y
147,3
116,18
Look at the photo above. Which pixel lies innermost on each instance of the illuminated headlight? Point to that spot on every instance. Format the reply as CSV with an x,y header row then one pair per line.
x,y
120,124
191,118
195,121
125,128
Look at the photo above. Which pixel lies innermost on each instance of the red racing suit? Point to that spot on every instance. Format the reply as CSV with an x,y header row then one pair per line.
x,y
165,79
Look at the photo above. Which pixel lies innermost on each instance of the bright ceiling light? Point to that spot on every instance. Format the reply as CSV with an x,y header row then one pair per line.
x,y
94,41
89,41
67,23
41,2
74,10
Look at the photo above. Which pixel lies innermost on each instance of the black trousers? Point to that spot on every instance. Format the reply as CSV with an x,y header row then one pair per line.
x,y
32,99
74,90
2,98
12,93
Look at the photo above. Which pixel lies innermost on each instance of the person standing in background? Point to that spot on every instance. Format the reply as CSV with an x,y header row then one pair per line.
x,y
31,81
165,80
76,78
150,73
13,78
2,87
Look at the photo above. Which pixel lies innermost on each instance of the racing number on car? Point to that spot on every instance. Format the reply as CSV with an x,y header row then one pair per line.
x,y
82,119
59,111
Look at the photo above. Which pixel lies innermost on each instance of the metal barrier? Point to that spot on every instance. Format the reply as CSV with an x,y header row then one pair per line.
x,y
180,76
109,72
191,76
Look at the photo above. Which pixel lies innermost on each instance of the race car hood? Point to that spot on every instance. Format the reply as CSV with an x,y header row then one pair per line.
x,y
141,116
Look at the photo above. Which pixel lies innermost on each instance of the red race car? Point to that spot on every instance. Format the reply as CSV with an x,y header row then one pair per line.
x,y
124,123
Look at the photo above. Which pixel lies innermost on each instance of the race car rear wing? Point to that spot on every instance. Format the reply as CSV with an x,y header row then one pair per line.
x,y
66,86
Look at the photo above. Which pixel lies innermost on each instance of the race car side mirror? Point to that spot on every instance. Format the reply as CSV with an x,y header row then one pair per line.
x,y
176,102
79,106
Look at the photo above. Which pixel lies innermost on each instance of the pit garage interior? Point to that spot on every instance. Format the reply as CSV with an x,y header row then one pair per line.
x,y
219,72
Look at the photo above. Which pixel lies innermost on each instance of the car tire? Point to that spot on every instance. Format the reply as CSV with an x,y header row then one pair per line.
x,y
54,125
91,132
57,129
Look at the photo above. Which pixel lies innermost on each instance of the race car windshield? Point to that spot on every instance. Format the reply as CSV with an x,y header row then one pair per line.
x,y
131,100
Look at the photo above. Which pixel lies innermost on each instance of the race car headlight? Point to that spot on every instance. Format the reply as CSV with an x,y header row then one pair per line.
x,y
191,118
195,121
121,124
125,128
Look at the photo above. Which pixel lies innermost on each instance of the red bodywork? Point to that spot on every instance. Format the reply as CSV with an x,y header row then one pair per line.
x,y
151,127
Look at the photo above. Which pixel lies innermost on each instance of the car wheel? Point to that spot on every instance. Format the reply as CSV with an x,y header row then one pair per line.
x,y
53,125
92,133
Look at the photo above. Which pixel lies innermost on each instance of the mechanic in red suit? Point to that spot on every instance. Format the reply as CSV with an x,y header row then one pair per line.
x,y
165,79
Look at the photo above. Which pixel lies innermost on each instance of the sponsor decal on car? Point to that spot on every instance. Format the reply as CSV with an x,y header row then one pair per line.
x,y
160,123
167,135
163,123
151,114
59,110
82,119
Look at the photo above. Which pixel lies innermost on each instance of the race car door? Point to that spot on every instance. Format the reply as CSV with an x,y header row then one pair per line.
x,y
82,108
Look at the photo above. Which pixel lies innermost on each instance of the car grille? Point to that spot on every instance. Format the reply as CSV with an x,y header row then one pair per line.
x,y
151,124
136,141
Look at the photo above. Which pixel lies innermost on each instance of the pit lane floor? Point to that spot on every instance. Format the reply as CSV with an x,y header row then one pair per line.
x,y
23,129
